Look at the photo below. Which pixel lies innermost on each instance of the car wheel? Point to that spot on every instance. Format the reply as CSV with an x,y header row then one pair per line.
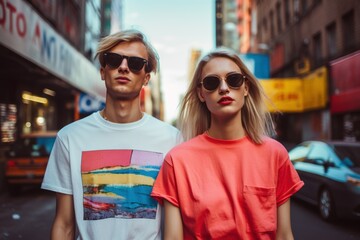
x,y
326,205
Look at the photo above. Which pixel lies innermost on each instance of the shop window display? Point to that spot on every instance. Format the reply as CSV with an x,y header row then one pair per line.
x,y
8,122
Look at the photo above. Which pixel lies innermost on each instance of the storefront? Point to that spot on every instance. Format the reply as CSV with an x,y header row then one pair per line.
x,y
345,98
42,74
299,106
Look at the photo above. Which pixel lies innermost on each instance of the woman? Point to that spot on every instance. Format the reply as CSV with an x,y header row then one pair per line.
x,y
228,180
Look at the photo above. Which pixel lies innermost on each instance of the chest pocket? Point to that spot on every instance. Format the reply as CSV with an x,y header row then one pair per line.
x,y
260,209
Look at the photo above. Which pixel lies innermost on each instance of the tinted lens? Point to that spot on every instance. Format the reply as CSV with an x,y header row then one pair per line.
x,y
113,60
211,83
136,63
235,80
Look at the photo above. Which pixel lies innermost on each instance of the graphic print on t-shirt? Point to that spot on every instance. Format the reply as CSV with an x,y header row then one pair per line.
x,y
118,183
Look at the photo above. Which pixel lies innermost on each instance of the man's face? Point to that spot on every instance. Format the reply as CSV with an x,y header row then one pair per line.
x,y
124,82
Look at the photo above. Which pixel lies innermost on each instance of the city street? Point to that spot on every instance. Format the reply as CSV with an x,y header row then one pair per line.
x,y
28,216
92,91
307,224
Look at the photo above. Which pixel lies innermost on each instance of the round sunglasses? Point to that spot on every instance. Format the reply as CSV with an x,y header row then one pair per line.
x,y
114,60
233,80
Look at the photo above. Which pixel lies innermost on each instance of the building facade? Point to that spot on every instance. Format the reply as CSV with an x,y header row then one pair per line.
x,y
226,24
47,50
313,44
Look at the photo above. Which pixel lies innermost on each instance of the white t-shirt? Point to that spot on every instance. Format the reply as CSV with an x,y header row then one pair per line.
x,y
110,169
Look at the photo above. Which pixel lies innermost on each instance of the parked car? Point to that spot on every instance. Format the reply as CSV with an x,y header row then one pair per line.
x,y
331,173
27,159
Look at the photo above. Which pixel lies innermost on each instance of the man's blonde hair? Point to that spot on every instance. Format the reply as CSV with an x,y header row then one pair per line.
x,y
130,35
195,118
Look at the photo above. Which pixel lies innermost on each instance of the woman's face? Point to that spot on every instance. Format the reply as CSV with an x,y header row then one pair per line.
x,y
228,98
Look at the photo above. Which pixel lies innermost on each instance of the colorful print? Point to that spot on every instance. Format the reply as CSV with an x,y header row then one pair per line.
x,y
118,183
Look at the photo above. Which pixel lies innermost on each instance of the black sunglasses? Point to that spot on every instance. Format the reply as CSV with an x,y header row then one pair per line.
x,y
114,60
233,80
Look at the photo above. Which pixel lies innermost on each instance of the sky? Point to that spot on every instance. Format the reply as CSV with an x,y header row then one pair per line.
x,y
174,27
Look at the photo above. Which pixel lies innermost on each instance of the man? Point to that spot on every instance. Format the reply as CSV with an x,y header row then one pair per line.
x,y
103,167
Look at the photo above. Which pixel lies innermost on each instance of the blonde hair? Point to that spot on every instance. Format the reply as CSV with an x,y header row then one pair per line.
x,y
130,35
195,118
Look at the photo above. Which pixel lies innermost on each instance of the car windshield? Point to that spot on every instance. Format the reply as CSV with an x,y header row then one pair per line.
x,y
349,155
32,147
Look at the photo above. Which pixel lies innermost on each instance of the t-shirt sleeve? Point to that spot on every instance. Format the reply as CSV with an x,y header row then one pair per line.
x,y
57,176
165,184
288,180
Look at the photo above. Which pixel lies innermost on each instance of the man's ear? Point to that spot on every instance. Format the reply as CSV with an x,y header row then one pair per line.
x,y
146,79
200,95
102,73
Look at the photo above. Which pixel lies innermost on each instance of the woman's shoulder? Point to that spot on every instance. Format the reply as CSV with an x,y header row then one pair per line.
x,y
190,144
272,143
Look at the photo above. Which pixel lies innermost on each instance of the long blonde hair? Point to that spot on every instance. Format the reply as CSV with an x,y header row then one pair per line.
x,y
130,35
195,118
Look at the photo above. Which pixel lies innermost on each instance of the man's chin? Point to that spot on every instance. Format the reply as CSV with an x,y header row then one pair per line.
x,y
122,96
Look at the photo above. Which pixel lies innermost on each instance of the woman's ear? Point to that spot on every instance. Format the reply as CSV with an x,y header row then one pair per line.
x,y
246,90
200,95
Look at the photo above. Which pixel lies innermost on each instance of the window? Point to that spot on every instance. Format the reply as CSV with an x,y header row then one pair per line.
x,y
348,30
331,39
278,17
287,12
272,33
296,10
264,30
304,7
36,112
92,28
319,153
259,30
265,24
317,49
8,118
299,153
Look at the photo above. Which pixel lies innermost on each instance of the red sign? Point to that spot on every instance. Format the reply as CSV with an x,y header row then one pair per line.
x,y
345,74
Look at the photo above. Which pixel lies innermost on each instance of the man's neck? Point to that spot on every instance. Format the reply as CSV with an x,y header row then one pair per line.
x,y
122,112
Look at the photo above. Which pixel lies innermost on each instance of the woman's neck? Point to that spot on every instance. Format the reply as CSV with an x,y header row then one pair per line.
x,y
226,129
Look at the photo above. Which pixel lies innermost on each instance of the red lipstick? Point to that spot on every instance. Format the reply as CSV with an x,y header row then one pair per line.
x,y
225,100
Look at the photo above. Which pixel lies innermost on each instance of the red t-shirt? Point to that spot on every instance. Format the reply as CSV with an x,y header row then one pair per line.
x,y
227,189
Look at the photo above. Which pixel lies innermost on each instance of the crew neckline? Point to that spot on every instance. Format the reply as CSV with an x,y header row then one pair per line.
x,y
120,126
209,138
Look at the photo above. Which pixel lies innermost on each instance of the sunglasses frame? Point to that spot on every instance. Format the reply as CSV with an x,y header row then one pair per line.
x,y
242,80
129,61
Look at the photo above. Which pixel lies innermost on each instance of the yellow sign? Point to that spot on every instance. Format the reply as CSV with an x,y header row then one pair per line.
x,y
285,94
315,89
297,94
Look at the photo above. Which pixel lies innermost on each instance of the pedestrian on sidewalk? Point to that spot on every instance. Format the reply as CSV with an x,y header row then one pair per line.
x,y
230,179
103,167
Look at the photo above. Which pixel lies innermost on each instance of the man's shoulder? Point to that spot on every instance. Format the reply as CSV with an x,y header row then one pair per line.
x,y
76,125
161,124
